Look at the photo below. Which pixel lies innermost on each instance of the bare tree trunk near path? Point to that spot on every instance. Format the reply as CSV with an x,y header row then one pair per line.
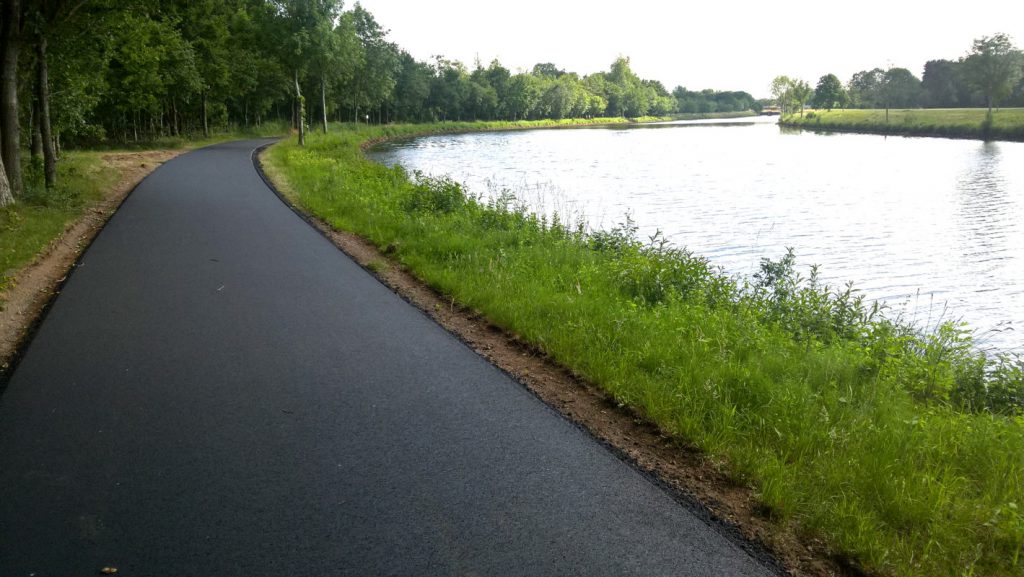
x,y
323,101
206,126
43,99
10,140
174,117
33,127
302,111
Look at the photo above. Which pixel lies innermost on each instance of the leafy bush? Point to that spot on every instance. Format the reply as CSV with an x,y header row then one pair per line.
x,y
806,308
437,195
995,386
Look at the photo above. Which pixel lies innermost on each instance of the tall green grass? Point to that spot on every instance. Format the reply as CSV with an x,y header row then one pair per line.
x,y
1006,123
904,451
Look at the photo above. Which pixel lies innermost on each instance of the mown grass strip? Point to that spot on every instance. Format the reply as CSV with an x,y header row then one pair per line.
x,y
900,449
1006,124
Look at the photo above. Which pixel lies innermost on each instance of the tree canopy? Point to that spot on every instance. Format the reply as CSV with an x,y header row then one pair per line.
x,y
77,72
993,67
992,73
829,93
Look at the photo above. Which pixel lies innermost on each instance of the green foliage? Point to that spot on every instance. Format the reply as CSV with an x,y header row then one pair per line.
x,y
657,273
944,86
865,89
993,67
898,447
27,227
790,95
901,89
893,88
995,385
991,73
710,101
434,195
139,72
813,313
829,93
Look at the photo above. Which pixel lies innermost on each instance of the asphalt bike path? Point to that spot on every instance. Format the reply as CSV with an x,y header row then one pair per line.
x,y
219,391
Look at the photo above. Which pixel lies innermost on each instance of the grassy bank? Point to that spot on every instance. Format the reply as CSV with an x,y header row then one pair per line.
x,y
407,130
697,116
903,451
40,216
1007,123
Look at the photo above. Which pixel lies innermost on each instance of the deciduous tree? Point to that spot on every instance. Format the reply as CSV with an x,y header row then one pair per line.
x,y
901,89
10,130
829,93
993,67
943,84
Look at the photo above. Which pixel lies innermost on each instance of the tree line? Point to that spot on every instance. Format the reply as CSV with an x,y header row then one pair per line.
x,y
79,72
990,74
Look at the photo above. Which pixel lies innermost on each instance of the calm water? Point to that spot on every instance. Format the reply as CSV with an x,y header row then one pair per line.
x,y
934,227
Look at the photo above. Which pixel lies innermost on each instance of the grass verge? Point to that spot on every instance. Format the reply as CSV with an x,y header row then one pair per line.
x,y
902,450
40,216
1006,124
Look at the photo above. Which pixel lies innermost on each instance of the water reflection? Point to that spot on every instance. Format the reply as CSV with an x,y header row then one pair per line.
x,y
929,225
989,225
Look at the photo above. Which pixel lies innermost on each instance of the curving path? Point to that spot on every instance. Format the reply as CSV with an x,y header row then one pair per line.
x,y
218,391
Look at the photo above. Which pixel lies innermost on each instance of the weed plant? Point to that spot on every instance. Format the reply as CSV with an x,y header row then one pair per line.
x,y
903,450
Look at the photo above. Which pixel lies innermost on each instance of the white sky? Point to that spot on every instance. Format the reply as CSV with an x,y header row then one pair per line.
x,y
725,45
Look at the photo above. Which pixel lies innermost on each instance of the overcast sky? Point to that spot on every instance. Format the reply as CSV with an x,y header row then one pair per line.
x,y
725,45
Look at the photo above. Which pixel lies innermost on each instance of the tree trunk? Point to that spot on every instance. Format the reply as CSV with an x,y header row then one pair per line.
x,y
6,198
33,129
10,139
323,101
176,130
302,111
206,126
43,100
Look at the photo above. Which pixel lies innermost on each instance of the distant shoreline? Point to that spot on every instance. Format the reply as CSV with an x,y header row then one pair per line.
x,y
963,123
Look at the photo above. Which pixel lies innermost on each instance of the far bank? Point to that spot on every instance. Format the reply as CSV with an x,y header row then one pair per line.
x,y
1006,124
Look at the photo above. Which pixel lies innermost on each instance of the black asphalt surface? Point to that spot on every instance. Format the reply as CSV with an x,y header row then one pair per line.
x,y
218,391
